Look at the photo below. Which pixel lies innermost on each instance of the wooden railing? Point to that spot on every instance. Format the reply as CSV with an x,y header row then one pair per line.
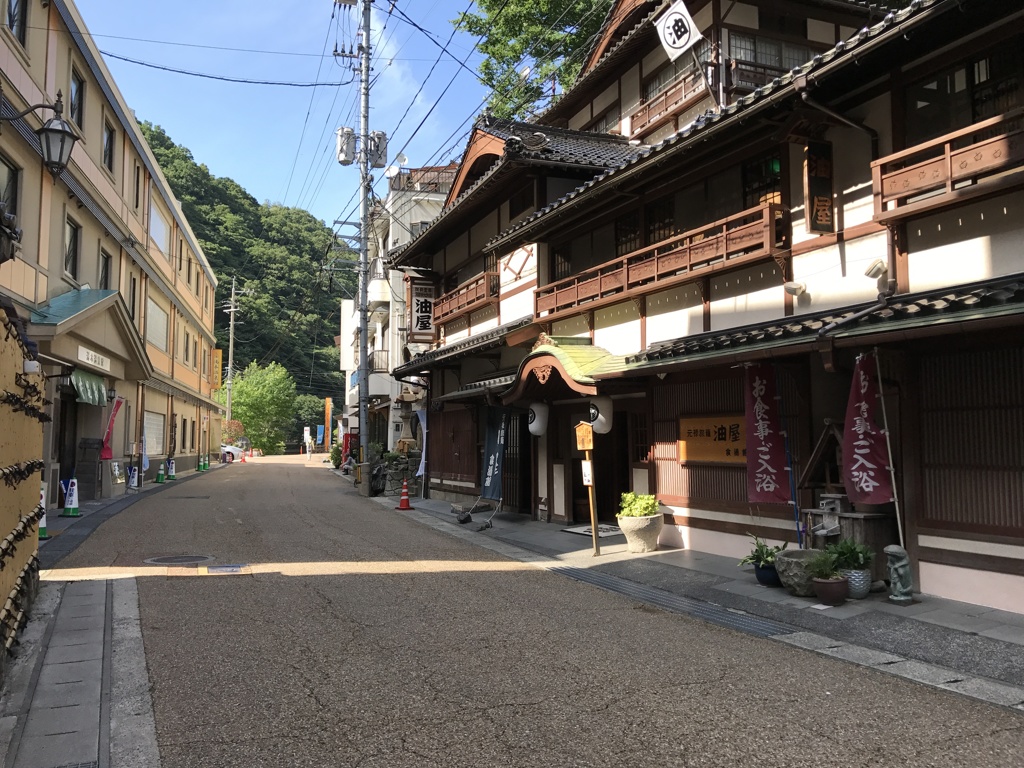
x,y
748,75
687,87
471,295
983,159
745,237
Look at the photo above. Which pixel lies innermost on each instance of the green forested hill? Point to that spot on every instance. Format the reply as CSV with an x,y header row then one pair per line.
x,y
291,312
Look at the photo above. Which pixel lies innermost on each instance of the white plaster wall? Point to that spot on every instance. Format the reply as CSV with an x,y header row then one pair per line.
x,y
1002,591
715,542
654,60
456,331
834,275
845,33
580,119
617,328
629,84
661,134
742,15
516,270
574,326
517,306
674,313
484,320
702,19
640,481
483,231
978,241
557,501
821,31
606,98
750,295
456,251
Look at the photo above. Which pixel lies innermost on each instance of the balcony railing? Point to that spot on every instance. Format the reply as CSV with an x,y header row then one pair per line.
x,y
748,75
745,237
377,361
472,295
684,91
983,159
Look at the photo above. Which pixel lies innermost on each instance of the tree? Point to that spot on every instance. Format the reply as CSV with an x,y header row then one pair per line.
x,y
549,37
309,411
263,399
232,430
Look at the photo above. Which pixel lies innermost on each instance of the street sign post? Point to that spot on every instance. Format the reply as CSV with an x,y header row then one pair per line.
x,y
585,443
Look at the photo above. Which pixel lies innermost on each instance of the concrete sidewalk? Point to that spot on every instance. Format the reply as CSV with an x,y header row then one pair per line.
x,y
969,649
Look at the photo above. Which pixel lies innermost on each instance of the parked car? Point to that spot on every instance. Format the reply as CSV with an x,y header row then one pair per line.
x,y
230,453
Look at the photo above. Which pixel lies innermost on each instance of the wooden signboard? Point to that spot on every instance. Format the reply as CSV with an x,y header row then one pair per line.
x,y
720,439
584,437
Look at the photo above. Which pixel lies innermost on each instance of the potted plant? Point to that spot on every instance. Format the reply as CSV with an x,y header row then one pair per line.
x,y
854,562
762,557
641,521
830,587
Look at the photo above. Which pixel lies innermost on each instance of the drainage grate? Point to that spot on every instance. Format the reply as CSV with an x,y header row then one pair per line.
x,y
214,569
179,560
174,498
715,614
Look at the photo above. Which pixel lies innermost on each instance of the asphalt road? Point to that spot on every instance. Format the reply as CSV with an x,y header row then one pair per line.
x,y
361,638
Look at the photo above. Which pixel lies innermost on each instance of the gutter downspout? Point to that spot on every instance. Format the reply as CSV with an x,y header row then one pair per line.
x,y
871,132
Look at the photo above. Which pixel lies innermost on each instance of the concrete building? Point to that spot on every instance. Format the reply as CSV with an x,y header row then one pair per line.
x,y
118,294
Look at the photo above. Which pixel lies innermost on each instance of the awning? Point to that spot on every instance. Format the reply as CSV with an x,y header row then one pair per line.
x,y
478,389
90,387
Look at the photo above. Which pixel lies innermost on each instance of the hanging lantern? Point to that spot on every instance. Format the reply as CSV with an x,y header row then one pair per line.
x,y
538,419
601,414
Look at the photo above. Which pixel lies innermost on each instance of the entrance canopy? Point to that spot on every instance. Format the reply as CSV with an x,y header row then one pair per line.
x,y
90,387
560,367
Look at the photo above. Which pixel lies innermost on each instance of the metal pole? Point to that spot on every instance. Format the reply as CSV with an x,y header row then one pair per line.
x,y
888,447
364,228
231,346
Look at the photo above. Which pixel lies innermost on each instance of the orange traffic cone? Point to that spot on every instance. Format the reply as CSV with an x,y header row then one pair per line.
x,y
403,503
243,457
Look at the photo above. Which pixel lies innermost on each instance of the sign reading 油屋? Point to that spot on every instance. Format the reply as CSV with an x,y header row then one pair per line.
x,y
712,438
818,187
677,31
421,311
865,452
767,479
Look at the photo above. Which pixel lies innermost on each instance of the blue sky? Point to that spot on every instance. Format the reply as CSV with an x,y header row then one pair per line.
x,y
278,142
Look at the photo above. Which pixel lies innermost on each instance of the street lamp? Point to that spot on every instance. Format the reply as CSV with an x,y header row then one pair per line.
x,y
57,138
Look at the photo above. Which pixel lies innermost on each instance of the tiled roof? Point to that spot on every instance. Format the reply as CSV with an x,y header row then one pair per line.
x,y
843,52
938,307
67,305
487,340
560,145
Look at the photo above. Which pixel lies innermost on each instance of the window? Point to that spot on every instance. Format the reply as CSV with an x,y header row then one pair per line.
x,y
627,233
639,444
131,297
188,272
17,13
8,187
660,219
608,122
969,92
104,278
137,189
154,430
76,109
199,279
775,56
192,437
184,426
195,353
181,253
675,71
561,267
156,325
109,141
187,345
762,180
206,361
72,242
159,228
206,297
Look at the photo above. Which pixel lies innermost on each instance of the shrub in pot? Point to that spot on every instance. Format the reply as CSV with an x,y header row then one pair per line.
x,y
335,455
640,520
762,557
830,587
854,562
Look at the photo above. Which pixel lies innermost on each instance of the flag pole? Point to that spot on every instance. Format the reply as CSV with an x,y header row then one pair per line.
x,y
789,464
888,447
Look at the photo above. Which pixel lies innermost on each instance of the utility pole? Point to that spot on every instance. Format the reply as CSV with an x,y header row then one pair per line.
x,y
231,309
364,231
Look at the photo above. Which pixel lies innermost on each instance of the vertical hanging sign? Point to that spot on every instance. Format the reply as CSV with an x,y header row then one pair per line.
x,y
818,192
106,452
865,453
767,478
494,454
421,311
677,31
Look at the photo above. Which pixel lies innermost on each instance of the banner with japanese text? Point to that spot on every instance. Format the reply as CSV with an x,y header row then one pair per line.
x,y
494,453
767,475
865,452
106,452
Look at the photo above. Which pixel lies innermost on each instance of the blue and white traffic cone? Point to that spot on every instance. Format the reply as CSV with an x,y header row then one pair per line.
x,y
71,499
170,470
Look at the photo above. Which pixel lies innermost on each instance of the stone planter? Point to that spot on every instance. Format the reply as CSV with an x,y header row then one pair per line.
x,y
860,582
791,566
641,532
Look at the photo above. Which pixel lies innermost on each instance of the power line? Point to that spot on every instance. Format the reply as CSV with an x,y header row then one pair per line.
x,y
223,78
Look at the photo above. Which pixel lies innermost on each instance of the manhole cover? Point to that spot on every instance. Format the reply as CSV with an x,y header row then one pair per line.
x,y
179,559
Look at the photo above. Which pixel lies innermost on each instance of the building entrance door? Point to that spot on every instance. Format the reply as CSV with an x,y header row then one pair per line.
x,y
67,441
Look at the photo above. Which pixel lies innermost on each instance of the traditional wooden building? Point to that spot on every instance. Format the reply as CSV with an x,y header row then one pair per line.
x,y
816,183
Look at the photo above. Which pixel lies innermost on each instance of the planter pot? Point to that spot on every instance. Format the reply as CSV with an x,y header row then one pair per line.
x,y
641,532
791,566
831,591
767,576
860,582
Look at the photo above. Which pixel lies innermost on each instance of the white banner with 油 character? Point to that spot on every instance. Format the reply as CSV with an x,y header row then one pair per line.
x,y
421,311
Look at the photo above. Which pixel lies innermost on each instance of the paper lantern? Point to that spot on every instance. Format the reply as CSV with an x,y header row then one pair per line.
x,y
538,418
601,414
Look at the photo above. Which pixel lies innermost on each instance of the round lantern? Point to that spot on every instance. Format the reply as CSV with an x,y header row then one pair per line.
x,y
538,419
601,414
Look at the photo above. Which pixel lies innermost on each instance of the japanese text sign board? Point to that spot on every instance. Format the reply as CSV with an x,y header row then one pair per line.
x,y
865,451
818,192
767,475
676,30
720,439
421,311
584,437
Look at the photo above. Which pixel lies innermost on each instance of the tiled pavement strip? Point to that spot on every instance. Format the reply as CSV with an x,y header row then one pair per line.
x,y
62,707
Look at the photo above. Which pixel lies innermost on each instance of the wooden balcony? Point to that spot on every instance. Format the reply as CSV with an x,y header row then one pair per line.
x,y
746,237
471,296
685,91
983,159
748,75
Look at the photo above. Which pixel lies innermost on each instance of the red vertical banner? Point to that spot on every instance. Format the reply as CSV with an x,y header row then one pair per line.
x,y
767,477
865,452
106,452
